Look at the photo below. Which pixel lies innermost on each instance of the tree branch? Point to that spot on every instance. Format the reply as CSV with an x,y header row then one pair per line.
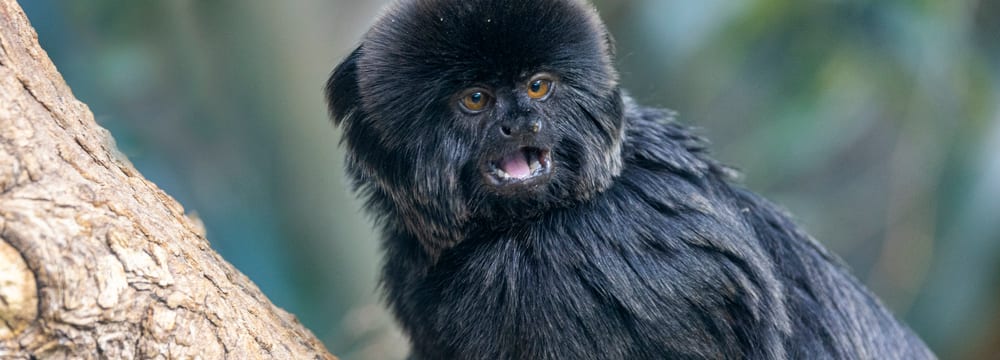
x,y
95,260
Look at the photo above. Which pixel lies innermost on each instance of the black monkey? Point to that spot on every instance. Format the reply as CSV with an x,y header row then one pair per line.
x,y
531,210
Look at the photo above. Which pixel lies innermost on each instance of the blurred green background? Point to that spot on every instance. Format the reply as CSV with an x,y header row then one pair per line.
x,y
875,122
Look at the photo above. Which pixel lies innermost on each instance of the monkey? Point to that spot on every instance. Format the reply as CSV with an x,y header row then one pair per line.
x,y
530,209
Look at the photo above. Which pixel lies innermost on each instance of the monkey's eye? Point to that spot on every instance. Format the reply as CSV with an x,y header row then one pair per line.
x,y
539,87
476,100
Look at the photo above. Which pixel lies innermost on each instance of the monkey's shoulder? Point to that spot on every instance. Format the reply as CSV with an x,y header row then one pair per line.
x,y
655,138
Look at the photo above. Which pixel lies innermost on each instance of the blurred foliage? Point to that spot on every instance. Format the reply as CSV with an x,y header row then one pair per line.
x,y
875,123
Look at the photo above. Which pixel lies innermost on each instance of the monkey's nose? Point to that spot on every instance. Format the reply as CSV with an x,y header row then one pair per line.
x,y
527,128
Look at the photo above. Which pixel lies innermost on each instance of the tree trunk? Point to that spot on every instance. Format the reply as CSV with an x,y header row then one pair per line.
x,y
95,260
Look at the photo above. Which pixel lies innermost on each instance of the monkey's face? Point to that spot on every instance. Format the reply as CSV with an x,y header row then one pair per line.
x,y
516,156
459,110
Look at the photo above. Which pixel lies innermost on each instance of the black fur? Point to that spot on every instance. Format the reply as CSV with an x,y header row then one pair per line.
x,y
637,246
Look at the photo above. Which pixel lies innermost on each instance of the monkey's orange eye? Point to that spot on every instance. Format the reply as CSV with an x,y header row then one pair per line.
x,y
476,101
539,87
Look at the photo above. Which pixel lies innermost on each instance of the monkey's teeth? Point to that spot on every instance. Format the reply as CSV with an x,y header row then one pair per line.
x,y
533,164
502,174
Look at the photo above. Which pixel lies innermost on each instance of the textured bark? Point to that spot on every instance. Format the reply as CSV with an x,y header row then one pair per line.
x,y
95,260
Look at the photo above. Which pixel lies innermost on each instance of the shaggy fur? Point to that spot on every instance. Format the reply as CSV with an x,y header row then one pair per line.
x,y
636,244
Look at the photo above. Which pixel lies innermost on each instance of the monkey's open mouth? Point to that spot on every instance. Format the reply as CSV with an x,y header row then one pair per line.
x,y
522,166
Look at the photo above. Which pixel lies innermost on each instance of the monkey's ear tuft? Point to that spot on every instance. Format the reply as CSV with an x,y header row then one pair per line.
x,y
342,93
609,41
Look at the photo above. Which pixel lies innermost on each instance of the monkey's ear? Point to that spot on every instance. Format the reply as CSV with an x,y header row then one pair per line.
x,y
342,93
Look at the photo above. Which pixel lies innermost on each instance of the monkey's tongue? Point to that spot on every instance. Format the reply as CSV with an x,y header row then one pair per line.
x,y
516,165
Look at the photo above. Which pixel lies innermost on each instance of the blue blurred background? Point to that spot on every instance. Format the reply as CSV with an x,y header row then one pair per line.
x,y
875,122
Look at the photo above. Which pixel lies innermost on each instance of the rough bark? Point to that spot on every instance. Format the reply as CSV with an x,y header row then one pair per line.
x,y
95,260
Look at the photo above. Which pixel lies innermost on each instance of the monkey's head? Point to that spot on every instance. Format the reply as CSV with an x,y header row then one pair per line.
x,y
460,113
